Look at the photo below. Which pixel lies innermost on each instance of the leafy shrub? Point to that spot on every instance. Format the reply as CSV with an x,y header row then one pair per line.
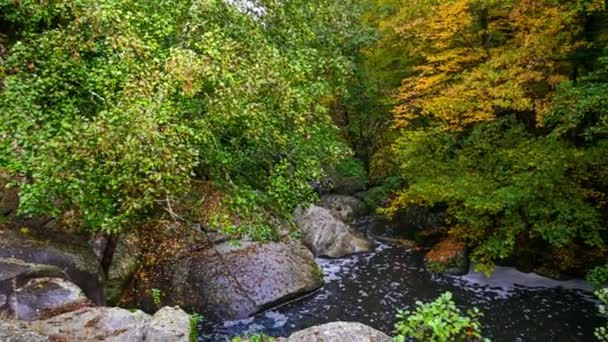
x,y
352,168
378,196
195,319
111,108
439,321
598,276
500,183
156,297
254,338
602,332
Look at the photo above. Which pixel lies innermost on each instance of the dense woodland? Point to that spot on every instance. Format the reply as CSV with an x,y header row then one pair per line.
x,y
113,107
494,112
500,118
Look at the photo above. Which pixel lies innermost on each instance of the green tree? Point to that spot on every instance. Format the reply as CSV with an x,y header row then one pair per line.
x,y
502,123
112,107
438,321
602,332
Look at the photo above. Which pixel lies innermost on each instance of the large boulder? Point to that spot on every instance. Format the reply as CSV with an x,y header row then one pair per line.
x,y
45,297
238,281
78,262
449,256
114,324
15,273
94,324
230,281
338,332
327,235
343,207
169,324
178,264
11,332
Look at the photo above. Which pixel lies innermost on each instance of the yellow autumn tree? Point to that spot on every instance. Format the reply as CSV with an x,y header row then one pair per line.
x,y
485,57
501,125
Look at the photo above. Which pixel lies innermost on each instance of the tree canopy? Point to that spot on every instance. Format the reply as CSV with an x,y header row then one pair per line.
x,y
492,111
500,120
112,107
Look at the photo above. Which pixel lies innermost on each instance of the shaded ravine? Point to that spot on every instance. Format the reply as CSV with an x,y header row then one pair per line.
x,y
370,288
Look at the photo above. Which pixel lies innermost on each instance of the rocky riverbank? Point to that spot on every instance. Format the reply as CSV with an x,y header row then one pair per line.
x,y
54,284
102,324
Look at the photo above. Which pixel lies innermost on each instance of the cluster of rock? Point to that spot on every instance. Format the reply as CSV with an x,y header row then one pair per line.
x,y
39,278
338,332
326,230
223,280
102,324
54,288
232,281
53,292
335,332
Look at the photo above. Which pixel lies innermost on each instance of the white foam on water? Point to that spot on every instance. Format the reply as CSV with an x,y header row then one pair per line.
x,y
245,321
505,280
278,319
380,246
335,269
254,328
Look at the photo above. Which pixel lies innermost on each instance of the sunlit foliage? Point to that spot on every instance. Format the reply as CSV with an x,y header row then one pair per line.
x,y
483,57
112,107
439,321
503,121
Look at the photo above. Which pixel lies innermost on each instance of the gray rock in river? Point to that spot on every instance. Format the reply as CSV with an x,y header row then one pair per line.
x,y
338,332
230,281
45,297
95,323
28,291
169,324
12,332
79,262
113,324
343,207
327,235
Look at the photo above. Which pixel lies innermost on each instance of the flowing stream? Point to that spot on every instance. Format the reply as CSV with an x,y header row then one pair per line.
x,y
369,288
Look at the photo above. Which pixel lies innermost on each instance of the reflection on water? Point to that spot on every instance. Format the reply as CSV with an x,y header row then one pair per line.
x,y
370,288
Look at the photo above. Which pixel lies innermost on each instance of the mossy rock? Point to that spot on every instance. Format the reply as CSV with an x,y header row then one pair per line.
x,y
226,280
77,261
9,194
449,256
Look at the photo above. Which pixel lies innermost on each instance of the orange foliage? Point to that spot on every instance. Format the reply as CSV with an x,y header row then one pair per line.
x,y
484,56
445,251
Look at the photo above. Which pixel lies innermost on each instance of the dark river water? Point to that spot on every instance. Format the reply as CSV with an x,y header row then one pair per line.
x,y
369,288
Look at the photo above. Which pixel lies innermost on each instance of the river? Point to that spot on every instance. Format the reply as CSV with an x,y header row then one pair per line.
x,y
369,288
